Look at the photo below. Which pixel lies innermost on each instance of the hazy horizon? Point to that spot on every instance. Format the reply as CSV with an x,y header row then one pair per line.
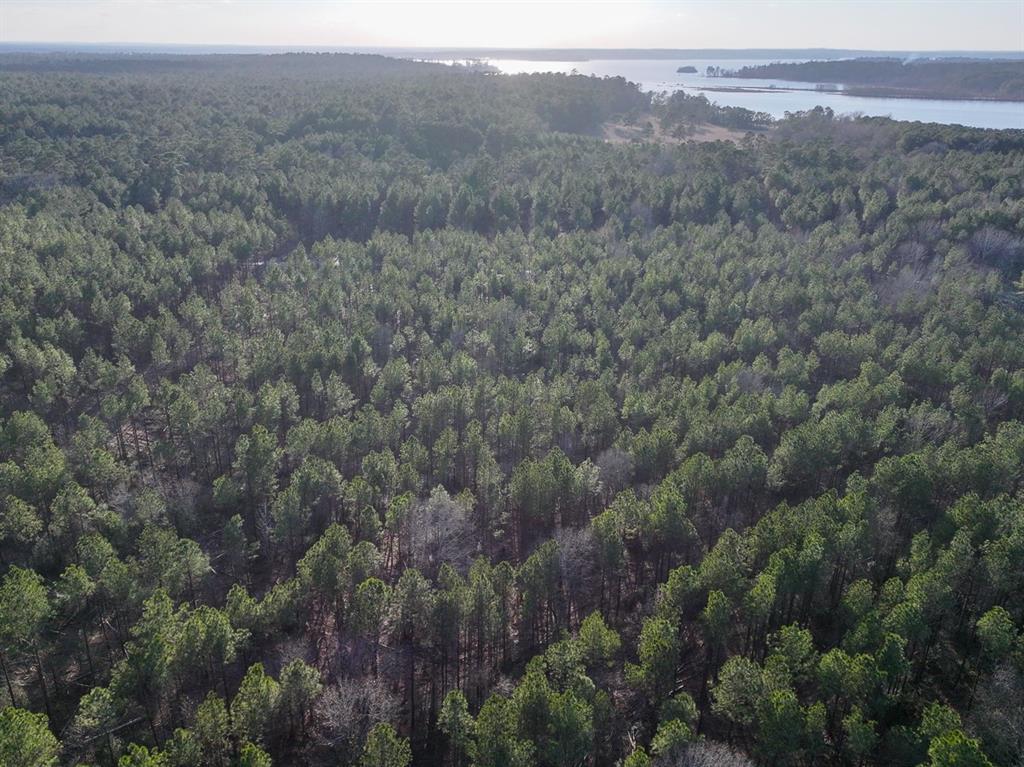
x,y
145,46
986,26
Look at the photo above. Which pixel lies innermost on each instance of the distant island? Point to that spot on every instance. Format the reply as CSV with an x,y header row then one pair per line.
x,y
687,70
931,78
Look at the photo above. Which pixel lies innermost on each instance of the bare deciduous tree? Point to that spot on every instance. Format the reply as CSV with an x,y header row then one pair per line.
x,y
349,709
709,754
440,532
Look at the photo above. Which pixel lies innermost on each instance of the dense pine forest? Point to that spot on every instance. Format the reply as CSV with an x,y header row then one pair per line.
x,y
363,412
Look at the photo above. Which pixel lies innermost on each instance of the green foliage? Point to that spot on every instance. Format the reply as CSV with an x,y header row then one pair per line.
x,y
140,756
861,737
792,653
23,608
997,633
299,687
251,755
457,724
955,749
740,690
669,742
598,643
26,740
385,749
497,741
658,650
681,707
147,666
253,705
211,727
637,758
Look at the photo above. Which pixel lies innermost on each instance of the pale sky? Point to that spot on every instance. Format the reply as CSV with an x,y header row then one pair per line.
x,y
859,24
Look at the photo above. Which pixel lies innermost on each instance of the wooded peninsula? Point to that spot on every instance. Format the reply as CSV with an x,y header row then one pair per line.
x,y
997,79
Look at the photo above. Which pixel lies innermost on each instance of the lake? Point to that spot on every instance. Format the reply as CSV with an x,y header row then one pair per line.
x,y
658,75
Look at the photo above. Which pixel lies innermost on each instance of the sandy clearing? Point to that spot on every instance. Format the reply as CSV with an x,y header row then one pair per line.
x,y
648,129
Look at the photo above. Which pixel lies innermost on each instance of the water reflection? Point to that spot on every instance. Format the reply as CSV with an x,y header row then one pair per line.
x,y
776,97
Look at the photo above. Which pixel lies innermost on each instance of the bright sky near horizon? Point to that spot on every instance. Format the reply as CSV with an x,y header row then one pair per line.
x,y
860,24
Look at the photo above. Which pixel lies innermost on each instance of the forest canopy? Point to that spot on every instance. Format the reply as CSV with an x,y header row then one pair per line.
x,y
361,412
